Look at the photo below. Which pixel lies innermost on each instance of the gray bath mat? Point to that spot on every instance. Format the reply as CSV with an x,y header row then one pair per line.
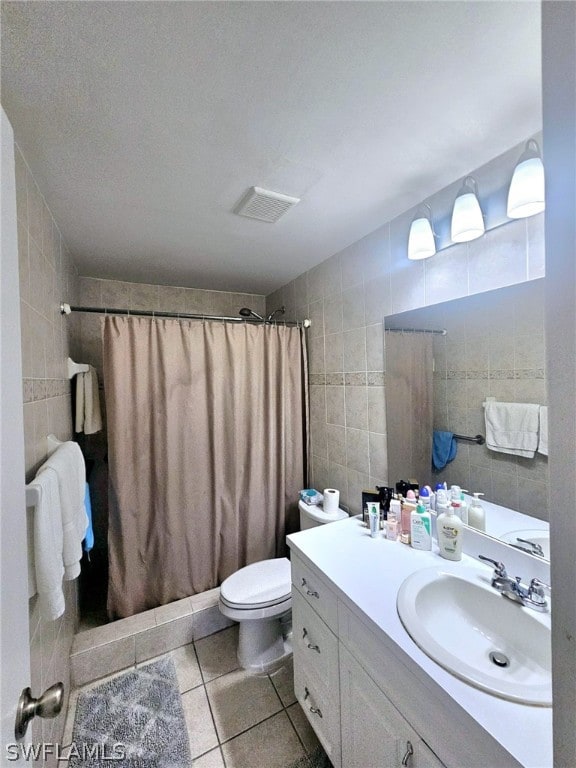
x,y
137,717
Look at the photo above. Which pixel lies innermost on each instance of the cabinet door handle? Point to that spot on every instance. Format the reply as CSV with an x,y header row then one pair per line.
x,y
314,710
314,647
310,645
309,592
408,754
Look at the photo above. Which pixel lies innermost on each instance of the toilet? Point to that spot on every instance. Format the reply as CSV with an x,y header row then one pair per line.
x,y
258,597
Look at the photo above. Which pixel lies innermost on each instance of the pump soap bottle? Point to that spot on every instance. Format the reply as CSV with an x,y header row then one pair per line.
x,y
449,530
476,514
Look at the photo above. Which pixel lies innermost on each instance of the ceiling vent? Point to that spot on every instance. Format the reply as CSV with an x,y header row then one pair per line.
x,y
264,205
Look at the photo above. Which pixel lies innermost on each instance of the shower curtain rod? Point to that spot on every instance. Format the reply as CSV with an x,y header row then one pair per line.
x,y
66,309
442,331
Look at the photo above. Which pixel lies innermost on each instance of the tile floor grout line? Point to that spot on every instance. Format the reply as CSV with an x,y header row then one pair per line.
x,y
296,729
241,733
212,715
276,690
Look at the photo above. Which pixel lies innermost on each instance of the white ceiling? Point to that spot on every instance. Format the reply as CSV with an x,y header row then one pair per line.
x,y
145,122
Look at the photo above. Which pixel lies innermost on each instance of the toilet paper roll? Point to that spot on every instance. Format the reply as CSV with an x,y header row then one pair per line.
x,y
331,500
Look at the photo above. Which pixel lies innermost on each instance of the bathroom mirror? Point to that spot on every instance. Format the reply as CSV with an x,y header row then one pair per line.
x,y
488,345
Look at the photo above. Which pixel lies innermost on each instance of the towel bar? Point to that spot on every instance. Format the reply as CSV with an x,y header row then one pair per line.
x,y
479,439
53,443
32,495
33,491
74,368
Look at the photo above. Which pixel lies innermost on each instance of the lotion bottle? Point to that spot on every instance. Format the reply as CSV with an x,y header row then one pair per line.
x,y
449,530
393,520
420,528
374,518
476,514
463,509
405,519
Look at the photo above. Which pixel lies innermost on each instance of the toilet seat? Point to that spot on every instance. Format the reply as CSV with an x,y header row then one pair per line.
x,y
259,585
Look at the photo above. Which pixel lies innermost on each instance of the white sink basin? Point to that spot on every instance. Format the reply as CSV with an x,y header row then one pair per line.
x,y
458,619
535,535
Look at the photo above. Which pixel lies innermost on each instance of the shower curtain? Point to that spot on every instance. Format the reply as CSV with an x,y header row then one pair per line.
x,y
207,442
409,405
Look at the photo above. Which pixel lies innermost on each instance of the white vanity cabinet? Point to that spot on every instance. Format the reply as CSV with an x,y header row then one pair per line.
x,y
374,733
374,699
316,678
355,722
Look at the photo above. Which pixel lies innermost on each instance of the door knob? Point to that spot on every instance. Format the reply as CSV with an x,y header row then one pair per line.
x,y
47,705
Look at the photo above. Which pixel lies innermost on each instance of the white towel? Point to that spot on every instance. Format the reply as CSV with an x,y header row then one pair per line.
x,y
67,462
512,428
543,434
88,416
48,544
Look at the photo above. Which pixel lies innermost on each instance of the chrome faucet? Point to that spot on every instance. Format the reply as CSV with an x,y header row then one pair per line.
x,y
533,596
532,547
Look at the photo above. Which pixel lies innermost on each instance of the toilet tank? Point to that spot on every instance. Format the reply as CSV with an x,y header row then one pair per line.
x,y
312,515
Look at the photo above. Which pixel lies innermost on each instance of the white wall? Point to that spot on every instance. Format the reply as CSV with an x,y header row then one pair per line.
x,y
559,86
347,298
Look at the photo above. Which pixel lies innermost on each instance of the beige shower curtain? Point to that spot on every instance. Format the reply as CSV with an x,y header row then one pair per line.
x,y
207,452
409,405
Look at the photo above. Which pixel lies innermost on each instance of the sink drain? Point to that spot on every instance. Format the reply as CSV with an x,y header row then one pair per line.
x,y
500,659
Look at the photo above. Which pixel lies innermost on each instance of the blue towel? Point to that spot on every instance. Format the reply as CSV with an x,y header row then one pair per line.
x,y
443,448
89,537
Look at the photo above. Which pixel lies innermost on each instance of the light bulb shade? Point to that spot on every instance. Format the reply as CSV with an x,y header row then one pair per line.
x,y
467,219
421,243
526,193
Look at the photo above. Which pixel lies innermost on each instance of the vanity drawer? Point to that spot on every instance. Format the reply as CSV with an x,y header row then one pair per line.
x,y
315,592
322,708
315,646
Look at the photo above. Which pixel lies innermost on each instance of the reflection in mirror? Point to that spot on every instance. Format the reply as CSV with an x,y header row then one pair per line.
x,y
493,347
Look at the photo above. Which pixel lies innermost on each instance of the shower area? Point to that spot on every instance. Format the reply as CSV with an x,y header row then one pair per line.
x,y
197,470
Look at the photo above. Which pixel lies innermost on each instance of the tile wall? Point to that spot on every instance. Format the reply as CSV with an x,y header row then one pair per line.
x,y
122,295
347,297
47,276
494,347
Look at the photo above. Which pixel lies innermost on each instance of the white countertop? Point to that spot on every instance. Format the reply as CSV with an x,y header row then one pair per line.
x,y
367,574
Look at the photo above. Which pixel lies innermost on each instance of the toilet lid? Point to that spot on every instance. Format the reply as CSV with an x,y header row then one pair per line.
x,y
315,512
264,583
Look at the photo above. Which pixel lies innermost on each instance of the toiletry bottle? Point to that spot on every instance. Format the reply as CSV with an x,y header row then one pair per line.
x,y
424,497
392,521
463,509
476,514
456,508
374,518
420,528
442,501
449,530
407,510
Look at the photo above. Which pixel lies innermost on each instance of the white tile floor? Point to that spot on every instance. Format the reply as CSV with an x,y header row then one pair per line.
x,y
234,720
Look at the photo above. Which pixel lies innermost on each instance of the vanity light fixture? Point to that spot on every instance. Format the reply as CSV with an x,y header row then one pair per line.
x,y
467,219
421,243
526,193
